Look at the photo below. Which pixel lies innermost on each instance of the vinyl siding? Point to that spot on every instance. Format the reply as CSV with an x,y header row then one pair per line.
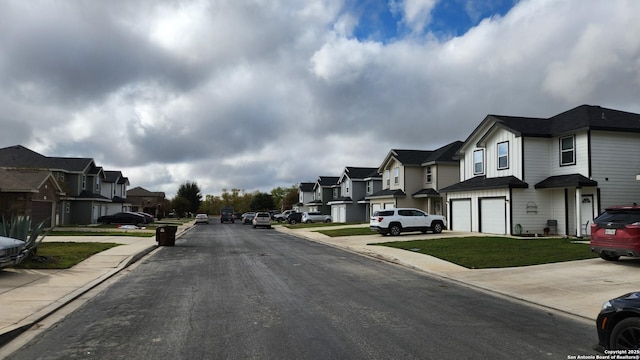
x,y
615,161
445,175
582,156
536,160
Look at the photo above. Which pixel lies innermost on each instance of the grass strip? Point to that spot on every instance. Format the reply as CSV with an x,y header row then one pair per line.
x,y
135,233
498,252
63,255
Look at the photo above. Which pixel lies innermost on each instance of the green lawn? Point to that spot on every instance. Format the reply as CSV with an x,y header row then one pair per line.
x,y
498,252
63,255
347,231
137,233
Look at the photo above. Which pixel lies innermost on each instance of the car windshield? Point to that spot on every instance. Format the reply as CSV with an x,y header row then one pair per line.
x,y
625,216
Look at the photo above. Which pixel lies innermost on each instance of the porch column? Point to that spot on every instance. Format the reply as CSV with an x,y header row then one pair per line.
x,y
578,210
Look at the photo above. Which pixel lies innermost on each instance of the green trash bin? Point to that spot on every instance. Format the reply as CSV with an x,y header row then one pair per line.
x,y
166,235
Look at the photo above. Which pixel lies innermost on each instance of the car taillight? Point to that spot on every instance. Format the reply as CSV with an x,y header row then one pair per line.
x,y
380,218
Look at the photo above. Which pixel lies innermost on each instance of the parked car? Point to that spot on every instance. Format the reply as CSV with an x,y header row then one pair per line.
x,y
294,217
315,216
283,216
618,324
202,219
396,221
124,217
226,214
148,218
262,219
247,217
616,232
12,251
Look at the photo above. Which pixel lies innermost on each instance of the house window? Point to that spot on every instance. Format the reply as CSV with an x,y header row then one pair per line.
x,y
387,176
567,150
335,193
503,155
346,184
84,182
478,162
97,185
369,186
396,176
429,175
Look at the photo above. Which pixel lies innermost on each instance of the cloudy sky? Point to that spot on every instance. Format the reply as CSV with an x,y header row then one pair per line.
x,y
255,94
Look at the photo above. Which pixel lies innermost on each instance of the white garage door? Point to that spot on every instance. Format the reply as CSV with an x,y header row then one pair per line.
x,y
461,215
493,216
374,208
389,205
339,213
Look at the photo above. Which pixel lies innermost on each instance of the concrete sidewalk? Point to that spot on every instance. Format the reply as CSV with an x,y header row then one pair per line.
x,y
577,288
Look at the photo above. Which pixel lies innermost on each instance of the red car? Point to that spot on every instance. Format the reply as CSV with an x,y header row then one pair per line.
x,y
616,232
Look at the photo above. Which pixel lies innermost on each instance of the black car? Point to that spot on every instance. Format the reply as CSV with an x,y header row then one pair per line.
x,y
123,218
618,323
148,218
294,217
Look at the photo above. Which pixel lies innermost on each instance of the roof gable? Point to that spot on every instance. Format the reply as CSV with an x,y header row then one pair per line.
x,y
357,173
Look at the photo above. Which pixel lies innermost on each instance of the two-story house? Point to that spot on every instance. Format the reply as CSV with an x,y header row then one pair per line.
x,y
522,175
79,180
323,192
351,205
151,202
413,178
305,195
114,187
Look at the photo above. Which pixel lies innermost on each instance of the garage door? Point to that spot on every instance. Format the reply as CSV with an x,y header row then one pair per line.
x,y
461,215
41,210
338,213
374,208
493,217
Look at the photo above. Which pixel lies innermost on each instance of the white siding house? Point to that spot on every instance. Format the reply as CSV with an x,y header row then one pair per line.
x,y
527,175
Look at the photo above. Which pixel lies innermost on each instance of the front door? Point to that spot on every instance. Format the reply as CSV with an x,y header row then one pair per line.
x,y
586,214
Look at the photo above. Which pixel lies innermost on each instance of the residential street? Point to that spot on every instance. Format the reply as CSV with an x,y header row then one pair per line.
x,y
227,291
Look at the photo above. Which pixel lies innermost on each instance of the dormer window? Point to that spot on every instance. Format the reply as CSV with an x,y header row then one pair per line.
x,y
428,175
478,162
396,175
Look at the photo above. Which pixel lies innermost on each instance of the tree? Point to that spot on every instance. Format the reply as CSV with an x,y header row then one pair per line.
x,y
191,192
291,197
262,202
180,205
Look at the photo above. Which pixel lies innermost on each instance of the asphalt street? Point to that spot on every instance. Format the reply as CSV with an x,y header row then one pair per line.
x,y
233,292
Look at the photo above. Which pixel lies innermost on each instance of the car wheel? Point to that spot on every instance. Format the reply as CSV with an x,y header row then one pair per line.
x,y
609,257
292,222
254,226
308,221
395,229
437,228
328,221
626,334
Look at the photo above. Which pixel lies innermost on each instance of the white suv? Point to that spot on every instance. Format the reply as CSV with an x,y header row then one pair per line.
x,y
395,221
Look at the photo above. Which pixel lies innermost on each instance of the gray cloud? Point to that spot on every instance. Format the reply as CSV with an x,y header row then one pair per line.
x,y
253,96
